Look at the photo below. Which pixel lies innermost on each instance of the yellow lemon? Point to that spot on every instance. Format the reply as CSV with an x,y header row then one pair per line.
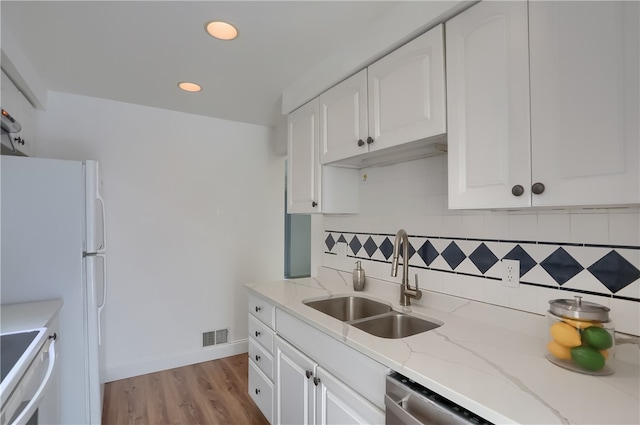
x,y
605,354
581,324
559,351
565,334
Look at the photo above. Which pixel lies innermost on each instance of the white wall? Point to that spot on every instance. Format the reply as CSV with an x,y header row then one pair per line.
x,y
413,196
194,209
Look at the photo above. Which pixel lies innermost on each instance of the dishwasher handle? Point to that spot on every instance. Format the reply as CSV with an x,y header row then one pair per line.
x,y
396,414
409,403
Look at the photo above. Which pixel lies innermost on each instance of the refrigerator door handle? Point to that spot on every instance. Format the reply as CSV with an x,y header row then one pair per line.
x,y
104,296
102,248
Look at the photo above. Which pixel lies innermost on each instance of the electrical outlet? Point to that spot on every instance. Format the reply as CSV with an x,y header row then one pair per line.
x,y
511,273
341,249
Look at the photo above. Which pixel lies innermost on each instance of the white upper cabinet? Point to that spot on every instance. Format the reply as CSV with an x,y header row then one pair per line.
x,y
488,106
343,119
406,92
584,102
397,100
304,173
311,187
577,142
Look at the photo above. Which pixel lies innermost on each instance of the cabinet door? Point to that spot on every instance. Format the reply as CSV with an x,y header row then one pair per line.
x,y
407,92
303,189
343,119
295,392
584,102
337,404
488,106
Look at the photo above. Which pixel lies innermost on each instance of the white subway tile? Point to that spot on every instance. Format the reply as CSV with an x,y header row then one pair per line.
x,y
523,227
624,229
554,227
590,228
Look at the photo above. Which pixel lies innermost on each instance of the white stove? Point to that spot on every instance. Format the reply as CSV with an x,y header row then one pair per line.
x,y
27,361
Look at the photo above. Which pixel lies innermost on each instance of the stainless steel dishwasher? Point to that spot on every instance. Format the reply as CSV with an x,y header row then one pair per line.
x,y
408,402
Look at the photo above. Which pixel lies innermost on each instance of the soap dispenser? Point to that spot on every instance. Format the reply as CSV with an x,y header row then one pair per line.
x,y
358,277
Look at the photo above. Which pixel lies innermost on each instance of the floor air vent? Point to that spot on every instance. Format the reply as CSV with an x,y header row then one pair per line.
x,y
220,336
208,338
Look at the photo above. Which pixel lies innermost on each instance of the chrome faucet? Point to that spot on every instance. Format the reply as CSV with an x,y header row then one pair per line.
x,y
406,291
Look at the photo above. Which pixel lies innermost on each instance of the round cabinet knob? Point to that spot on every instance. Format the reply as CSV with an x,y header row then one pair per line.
x,y
360,142
257,391
308,373
257,334
314,204
316,381
517,190
257,358
537,188
369,140
258,309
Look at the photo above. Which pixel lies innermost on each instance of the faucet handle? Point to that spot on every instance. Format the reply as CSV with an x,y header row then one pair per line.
x,y
416,280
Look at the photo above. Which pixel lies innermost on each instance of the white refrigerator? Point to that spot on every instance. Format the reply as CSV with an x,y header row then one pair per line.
x,y
53,246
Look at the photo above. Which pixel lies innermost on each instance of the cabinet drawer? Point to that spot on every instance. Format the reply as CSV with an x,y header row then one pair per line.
x,y
262,310
261,391
261,333
261,358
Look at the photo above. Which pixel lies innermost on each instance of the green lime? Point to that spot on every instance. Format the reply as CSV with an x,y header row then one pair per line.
x,y
588,358
597,338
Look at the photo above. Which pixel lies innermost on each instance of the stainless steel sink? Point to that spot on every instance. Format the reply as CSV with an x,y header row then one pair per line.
x,y
373,317
395,325
349,308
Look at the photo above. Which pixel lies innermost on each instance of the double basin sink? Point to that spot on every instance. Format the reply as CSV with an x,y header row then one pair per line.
x,y
371,316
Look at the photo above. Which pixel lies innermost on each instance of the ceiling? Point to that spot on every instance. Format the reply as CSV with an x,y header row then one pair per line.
x,y
138,51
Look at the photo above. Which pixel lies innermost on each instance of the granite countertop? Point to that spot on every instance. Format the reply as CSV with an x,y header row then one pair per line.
x,y
487,359
24,316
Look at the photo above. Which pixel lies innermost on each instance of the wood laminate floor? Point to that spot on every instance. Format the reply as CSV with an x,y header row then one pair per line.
x,y
213,392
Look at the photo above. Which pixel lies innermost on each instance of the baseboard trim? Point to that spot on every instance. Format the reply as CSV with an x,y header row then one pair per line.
x,y
124,370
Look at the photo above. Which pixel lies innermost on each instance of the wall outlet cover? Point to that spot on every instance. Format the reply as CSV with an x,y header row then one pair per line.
x,y
511,273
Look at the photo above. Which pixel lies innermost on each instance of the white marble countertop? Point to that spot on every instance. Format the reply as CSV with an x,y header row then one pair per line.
x,y
487,359
24,316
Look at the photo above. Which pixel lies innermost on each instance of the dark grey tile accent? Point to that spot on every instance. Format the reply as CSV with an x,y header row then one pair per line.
x,y
561,266
453,255
614,271
355,245
483,258
428,253
329,242
526,262
370,246
386,248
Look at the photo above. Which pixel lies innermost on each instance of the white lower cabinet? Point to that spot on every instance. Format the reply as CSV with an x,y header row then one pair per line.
x,y
294,385
306,393
320,380
338,404
261,367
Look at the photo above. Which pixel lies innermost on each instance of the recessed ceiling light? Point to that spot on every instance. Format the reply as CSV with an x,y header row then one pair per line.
x,y
221,30
187,86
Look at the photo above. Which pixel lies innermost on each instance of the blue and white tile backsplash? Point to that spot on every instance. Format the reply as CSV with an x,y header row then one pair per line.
x,y
581,268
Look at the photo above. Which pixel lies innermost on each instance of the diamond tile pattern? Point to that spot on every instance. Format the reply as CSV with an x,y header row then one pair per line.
x,y
355,245
428,253
453,255
613,270
386,248
370,246
330,242
526,262
483,258
561,266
